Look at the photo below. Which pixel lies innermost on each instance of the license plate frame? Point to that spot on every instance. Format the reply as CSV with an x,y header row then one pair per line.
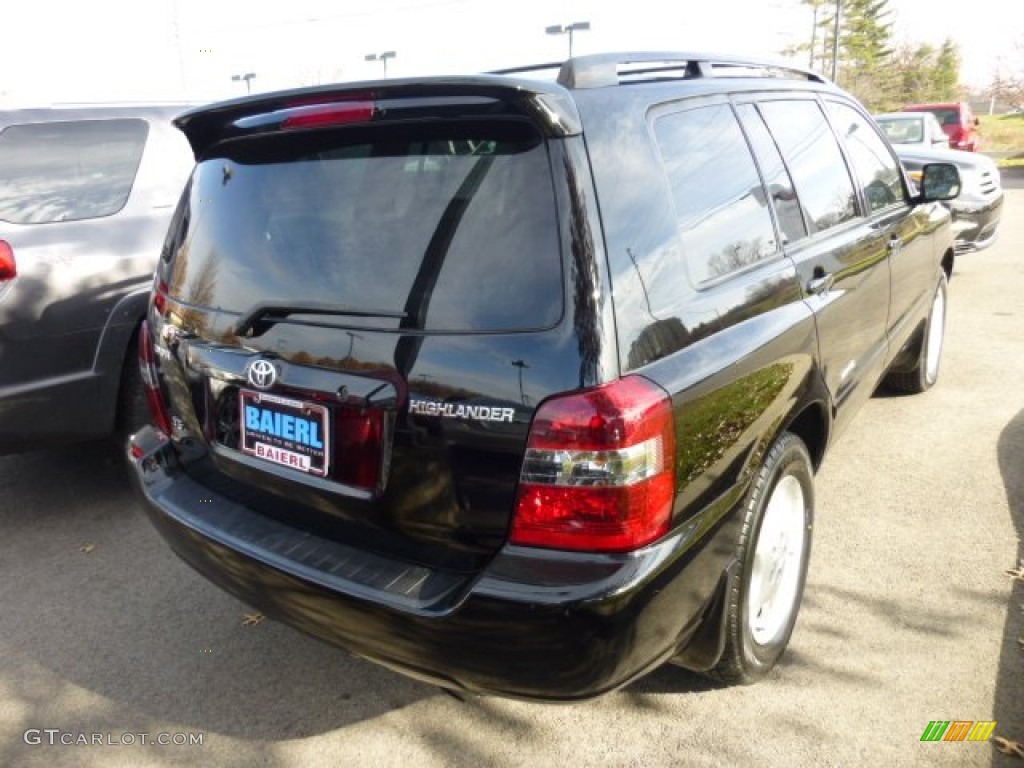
x,y
276,441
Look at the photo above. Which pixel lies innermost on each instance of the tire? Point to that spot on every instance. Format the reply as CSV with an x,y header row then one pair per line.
x,y
926,369
132,407
774,550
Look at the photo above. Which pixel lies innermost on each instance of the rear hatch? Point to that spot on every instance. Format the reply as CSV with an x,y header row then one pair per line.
x,y
361,302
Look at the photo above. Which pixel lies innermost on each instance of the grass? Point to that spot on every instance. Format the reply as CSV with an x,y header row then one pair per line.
x,y
1004,134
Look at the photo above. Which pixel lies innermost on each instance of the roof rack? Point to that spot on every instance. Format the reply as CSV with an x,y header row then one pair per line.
x,y
607,69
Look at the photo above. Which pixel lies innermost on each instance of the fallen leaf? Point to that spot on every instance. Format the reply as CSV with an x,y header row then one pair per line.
x,y
1008,747
252,619
87,548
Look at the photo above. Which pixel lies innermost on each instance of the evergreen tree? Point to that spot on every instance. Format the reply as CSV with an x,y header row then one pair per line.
x,y
946,72
881,75
865,42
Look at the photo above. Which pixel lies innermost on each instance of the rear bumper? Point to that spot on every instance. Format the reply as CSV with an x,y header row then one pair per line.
x,y
533,624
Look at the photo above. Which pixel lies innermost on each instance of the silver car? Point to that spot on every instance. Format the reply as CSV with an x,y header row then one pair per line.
x,y
979,206
86,196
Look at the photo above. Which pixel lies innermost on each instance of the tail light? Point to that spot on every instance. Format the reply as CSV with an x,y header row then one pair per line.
x,y
599,471
8,267
160,297
359,437
151,380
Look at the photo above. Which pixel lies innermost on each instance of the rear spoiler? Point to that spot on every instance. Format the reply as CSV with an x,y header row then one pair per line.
x,y
548,106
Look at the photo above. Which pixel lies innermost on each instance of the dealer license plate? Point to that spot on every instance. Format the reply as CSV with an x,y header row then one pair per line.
x,y
292,433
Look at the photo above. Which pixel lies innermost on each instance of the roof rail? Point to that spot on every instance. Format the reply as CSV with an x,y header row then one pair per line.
x,y
553,65
607,69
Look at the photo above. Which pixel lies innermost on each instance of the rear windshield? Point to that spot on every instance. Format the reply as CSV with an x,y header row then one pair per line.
x,y
454,227
67,171
946,116
903,130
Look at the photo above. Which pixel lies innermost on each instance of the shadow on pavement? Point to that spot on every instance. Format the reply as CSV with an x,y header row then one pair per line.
x,y
1009,700
145,644
97,610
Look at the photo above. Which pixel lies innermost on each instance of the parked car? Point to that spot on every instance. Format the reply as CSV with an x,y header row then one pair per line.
x,y
519,386
86,195
912,129
957,121
978,208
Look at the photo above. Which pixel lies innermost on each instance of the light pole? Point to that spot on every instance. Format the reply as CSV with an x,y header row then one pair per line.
x,y
247,77
562,29
351,343
382,58
521,364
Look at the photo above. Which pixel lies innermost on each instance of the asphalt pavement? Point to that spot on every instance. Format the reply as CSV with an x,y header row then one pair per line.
x,y
909,615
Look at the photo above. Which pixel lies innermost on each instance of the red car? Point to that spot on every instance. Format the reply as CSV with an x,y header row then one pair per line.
x,y
957,121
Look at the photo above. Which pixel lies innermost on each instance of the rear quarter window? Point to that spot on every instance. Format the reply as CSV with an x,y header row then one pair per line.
x,y
69,170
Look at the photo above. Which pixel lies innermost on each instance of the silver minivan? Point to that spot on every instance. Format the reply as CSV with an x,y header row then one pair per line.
x,y
86,195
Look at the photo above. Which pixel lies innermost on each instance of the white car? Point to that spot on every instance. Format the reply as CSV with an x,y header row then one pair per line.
x,y
912,129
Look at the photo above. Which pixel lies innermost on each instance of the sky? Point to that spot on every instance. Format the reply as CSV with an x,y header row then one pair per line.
x,y
166,50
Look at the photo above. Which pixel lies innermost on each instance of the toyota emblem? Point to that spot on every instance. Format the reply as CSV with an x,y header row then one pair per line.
x,y
262,374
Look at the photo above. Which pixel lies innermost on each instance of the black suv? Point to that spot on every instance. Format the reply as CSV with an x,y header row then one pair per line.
x,y
519,386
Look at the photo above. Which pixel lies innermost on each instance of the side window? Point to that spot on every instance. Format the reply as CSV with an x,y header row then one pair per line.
x,y
721,209
67,171
822,181
873,162
776,177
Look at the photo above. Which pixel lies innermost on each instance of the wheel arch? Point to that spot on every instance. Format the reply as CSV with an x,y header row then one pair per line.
x,y
115,351
947,263
812,425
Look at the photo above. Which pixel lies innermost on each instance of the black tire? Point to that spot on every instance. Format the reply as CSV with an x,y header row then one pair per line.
x,y
754,643
132,406
926,368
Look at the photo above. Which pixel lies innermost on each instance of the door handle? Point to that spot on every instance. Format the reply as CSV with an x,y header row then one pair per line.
x,y
895,244
820,283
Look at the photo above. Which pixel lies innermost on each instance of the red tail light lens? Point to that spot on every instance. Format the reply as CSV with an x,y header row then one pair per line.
x,y
359,436
151,380
8,267
599,472
323,115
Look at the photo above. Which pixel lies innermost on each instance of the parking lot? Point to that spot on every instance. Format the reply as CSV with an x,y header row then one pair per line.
x,y
909,615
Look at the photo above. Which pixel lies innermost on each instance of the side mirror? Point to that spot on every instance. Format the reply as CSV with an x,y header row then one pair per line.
x,y
939,181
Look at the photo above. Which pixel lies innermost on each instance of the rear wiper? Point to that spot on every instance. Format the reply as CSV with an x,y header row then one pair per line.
x,y
258,319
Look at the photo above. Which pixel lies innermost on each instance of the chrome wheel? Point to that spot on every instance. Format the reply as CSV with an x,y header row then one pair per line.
x,y
936,333
778,556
